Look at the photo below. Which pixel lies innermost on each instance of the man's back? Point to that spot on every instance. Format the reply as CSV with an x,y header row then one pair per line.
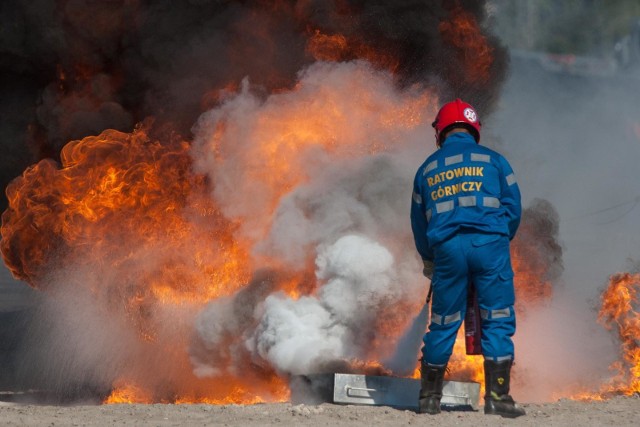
x,y
464,185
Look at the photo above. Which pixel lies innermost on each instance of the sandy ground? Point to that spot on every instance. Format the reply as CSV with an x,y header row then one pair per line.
x,y
619,411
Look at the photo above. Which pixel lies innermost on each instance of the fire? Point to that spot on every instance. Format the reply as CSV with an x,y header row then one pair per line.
x,y
128,218
152,227
536,256
136,212
159,239
327,47
530,286
128,393
466,367
620,312
463,32
337,47
117,188
462,367
156,228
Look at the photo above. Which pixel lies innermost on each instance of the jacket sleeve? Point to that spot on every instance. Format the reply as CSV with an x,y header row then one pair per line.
x,y
419,220
510,197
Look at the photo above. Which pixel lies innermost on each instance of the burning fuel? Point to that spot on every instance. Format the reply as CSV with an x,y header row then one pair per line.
x,y
156,231
323,279
620,312
273,240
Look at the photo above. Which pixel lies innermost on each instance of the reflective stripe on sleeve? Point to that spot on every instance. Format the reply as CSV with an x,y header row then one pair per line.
x,y
417,198
490,202
511,179
452,160
431,166
476,157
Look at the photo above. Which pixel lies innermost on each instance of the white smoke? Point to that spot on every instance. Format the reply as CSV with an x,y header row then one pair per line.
x,y
350,214
300,336
296,336
369,196
337,114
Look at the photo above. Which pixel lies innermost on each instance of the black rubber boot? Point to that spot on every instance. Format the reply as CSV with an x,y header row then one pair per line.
x,y
431,392
497,400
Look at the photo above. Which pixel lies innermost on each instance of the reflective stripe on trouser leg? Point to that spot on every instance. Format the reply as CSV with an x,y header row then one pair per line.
x,y
498,326
439,341
493,278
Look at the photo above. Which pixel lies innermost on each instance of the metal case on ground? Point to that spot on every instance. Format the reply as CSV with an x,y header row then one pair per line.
x,y
399,392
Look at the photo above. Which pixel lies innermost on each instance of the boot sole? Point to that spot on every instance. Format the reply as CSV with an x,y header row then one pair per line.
x,y
505,415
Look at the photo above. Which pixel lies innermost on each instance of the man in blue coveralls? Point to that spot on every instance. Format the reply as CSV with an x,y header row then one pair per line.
x,y
465,210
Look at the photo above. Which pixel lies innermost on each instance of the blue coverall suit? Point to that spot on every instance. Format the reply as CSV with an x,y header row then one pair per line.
x,y
465,210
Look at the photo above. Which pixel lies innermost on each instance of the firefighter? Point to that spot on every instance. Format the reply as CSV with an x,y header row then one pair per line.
x,y
465,210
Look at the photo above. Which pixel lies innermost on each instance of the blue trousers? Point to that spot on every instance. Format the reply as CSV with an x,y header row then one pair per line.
x,y
484,260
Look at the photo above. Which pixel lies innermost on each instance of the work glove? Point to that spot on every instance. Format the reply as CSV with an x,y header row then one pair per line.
x,y
427,270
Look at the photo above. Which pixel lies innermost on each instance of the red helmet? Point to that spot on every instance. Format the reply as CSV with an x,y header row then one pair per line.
x,y
453,113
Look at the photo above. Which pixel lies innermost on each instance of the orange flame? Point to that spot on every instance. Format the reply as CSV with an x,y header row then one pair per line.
x,y
117,196
463,32
337,47
129,209
117,188
620,312
325,47
125,392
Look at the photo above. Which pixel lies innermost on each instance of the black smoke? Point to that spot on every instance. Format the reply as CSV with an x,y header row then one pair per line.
x,y
539,239
72,68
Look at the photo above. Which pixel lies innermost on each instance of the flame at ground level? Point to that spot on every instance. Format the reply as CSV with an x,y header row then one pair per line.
x,y
127,392
620,313
280,232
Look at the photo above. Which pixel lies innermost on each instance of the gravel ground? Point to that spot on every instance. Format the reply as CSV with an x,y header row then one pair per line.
x,y
619,411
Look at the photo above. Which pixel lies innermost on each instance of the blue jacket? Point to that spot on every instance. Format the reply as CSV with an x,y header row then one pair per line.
x,y
463,186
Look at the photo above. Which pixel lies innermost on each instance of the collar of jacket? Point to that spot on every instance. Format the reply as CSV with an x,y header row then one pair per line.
x,y
459,137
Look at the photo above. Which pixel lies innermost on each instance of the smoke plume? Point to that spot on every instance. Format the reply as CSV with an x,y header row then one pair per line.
x,y
74,68
347,216
254,224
